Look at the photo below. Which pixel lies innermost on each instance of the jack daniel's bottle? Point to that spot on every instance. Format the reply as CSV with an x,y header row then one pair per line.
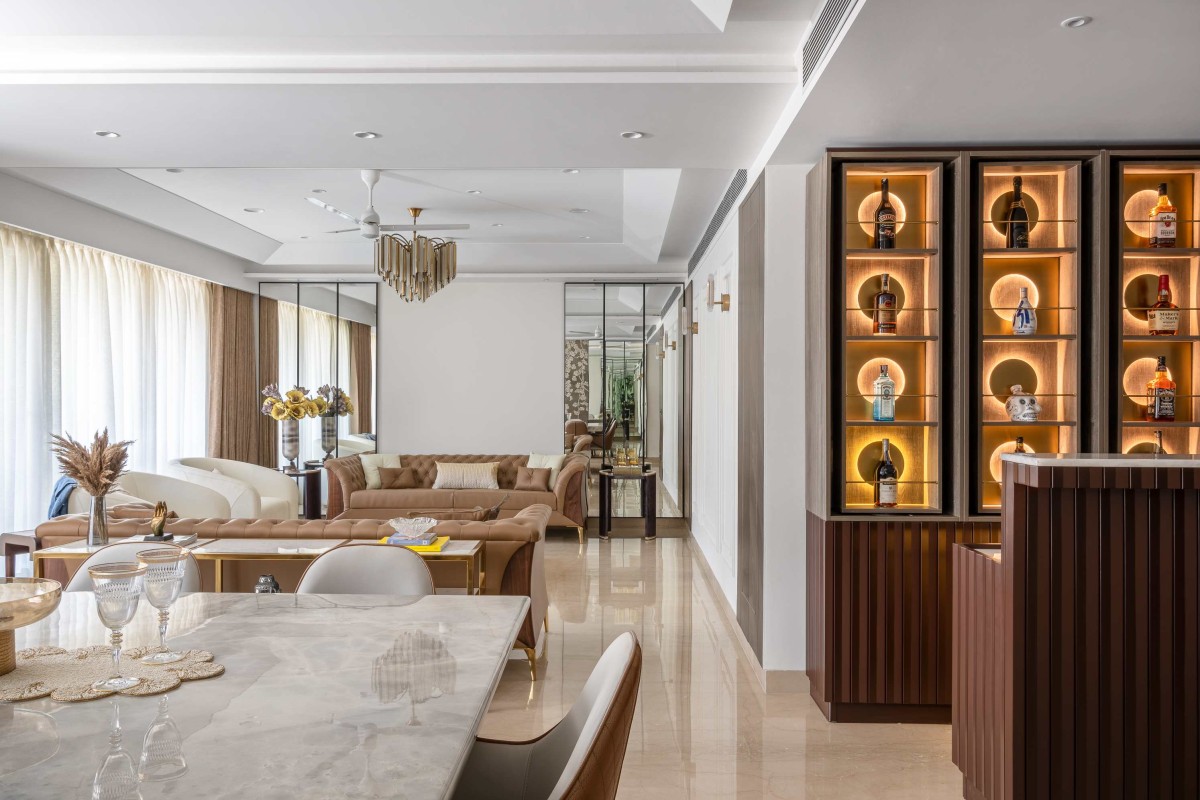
x,y
885,220
1160,394
1017,234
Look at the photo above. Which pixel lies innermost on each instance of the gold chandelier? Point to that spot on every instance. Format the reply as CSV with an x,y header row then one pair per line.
x,y
418,267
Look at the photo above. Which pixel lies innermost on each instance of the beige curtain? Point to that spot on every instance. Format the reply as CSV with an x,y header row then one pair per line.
x,y
233,407
362,370
268,372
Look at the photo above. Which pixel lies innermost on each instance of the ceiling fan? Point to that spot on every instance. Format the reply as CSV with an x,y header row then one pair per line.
x,y
368,224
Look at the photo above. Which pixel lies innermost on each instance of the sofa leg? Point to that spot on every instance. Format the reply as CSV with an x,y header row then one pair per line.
x,y
581,534
531,654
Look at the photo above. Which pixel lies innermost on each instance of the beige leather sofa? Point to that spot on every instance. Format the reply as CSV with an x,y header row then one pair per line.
x,y
513,554
349,497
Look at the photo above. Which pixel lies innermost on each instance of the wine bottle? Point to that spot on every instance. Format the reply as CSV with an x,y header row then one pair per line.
x,y
1163,316
1160,394
883,319
1017,230
883,403
1024,321
886,479
1162,220
885,220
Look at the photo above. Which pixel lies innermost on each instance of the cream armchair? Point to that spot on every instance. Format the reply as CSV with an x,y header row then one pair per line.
x,y
186,499
253,492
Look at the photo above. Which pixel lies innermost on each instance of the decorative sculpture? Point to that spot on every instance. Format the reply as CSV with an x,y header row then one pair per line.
x,y
1022,406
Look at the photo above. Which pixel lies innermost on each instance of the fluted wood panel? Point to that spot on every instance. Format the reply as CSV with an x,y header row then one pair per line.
x,y
879,624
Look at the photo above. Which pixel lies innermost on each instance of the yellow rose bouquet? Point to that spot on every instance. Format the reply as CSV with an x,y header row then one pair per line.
x,y
295,404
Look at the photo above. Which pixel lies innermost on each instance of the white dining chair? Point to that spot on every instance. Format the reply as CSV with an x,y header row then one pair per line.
x,y
81,581
578,758
367,568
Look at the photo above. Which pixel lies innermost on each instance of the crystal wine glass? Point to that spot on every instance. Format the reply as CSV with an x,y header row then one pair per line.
x,y
116,778
162,749
118,587
165,567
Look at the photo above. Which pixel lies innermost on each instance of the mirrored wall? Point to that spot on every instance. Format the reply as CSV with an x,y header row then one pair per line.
x,y
321,337
623,376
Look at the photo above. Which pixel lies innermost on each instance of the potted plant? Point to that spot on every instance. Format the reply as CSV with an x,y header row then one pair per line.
x,y
96,469
288,409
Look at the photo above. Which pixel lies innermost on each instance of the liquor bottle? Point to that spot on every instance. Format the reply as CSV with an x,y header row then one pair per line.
x,y
883,405
1159,450
1024,321
884,317
1160,394
1163,316
885,220
1162,220
1020,445
1017,234
886,479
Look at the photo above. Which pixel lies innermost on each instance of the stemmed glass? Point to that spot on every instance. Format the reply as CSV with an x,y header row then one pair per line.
x,y
162,749
118,587
116,778
165,567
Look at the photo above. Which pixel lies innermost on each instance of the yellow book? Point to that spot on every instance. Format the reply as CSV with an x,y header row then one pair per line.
x,y
435,547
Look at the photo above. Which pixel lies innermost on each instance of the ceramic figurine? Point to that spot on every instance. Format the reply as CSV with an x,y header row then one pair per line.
x,y
1022,406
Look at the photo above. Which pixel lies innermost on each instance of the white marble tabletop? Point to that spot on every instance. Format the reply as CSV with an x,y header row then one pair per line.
x,y
261,547
324,696
1127,460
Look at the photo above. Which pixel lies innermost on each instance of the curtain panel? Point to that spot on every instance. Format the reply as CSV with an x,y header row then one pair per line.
x,y
234,418
362,377
314,349
268,372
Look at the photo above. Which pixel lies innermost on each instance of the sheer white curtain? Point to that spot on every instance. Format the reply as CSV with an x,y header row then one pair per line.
x,y
94,340
324,348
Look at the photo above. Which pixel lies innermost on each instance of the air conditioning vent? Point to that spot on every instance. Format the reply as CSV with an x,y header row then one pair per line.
x,y
731,195
825,30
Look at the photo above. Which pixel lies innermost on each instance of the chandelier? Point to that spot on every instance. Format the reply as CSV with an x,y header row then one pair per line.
x,y
417,267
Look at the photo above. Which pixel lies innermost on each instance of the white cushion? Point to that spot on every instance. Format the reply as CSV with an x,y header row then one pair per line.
x,y
466,476
371,463
276,508
554,462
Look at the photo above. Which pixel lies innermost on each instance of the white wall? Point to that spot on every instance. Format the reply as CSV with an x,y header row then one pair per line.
x,y
672,418
714,412
476,369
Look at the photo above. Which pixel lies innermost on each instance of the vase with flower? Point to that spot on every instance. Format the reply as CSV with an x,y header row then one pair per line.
x,y
288,409
96,468
333,403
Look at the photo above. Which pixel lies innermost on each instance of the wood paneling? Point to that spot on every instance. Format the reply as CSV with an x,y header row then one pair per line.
x,y
750,305
880,605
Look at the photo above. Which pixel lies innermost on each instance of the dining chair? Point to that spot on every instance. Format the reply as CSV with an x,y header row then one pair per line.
x,y
578,758
367,568
81,581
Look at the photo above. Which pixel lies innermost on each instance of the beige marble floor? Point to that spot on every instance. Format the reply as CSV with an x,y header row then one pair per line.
x,y
703,728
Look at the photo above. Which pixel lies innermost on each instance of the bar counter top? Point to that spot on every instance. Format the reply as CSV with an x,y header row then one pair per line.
x,y
1100,460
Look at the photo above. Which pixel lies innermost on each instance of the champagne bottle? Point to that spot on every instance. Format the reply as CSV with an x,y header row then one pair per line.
x,y
1162,220
1017,233
1024,321
884,316
885,220
883,403
886,480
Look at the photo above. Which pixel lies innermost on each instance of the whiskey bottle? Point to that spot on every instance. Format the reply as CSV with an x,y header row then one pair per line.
x,y
884,316
1159,450
1163,316
886,479
1024,321
1160,394
1017,230
885,220
883,403
1019,447
1162,220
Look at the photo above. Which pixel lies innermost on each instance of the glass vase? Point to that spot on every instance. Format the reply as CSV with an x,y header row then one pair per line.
x,y
329,434
291,441
98,523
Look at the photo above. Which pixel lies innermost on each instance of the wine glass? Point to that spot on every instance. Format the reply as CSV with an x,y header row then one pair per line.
x,y
116,778
165,567
162,749
118,587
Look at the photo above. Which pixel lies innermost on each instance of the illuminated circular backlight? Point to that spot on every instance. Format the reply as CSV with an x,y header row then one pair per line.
x,y
871,287
1137,375
1140,294
868,459
1005,447
1138,207
1003,203
870,371
866,211
1009,373
1006,293
1146,447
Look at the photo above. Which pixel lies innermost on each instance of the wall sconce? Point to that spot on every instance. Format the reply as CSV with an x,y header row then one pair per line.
x,y
687,327
723,301
673,345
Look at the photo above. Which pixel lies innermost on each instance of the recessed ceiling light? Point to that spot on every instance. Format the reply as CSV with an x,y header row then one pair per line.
x,y
571,171
585,237
1075,22
108,134
580,211
253,210
318,191
304,237
175,170
474,191
632,135
367,134
497,224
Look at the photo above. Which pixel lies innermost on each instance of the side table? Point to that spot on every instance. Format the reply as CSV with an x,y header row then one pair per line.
x,y
312,488
649,487
11,544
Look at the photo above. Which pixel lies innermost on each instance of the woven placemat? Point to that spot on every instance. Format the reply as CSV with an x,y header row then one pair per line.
x,y
68,675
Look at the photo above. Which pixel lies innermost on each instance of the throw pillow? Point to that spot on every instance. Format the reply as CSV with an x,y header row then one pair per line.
x,y
554,462
452,475
533,479
371,462
393,478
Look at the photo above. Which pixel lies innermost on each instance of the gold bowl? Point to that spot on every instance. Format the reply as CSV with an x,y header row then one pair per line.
x,y
23,601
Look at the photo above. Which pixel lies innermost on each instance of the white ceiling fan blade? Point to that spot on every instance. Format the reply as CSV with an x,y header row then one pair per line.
x,y
421,228
346,230
333,210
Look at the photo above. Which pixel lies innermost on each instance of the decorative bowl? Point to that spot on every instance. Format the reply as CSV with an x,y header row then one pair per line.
x,y
23,601
413,527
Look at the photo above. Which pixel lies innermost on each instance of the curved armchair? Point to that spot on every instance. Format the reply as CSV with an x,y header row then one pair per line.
x,y
184,498
253,492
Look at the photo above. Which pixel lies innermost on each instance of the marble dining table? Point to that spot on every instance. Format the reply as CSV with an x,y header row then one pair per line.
x,y
323,696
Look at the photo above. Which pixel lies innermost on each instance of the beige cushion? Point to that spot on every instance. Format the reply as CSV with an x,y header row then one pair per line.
x,y
533,479
452,475
554,462
371,463
513,500
405,498
392,478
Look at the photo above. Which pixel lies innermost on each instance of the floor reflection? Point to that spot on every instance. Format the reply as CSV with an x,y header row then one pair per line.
x,y
703,726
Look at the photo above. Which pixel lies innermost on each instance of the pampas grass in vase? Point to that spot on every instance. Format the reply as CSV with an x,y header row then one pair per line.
x,y
96,469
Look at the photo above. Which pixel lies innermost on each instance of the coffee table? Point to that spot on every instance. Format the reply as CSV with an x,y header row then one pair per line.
x,y
79,550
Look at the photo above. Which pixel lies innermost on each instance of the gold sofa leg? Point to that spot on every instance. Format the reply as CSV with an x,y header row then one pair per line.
x,y
580,529
531,654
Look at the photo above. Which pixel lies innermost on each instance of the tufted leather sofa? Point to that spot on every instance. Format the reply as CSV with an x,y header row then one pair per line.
x,y
349,497
513,554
